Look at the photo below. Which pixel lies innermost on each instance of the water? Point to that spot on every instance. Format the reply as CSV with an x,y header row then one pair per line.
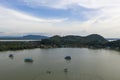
x,y
86,64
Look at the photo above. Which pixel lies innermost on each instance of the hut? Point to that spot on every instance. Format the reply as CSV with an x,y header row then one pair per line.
x,y
68,57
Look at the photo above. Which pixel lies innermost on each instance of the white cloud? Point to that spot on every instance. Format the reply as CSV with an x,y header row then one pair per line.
x,y
67,3
107,7
10,14
106,23
13,21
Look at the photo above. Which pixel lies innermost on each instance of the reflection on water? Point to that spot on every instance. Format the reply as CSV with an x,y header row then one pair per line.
x,y
49,64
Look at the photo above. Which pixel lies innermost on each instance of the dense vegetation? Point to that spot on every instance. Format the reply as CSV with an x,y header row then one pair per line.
x,y
113,45
91,41
17,45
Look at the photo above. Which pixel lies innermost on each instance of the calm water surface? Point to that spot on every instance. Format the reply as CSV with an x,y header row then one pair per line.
x,y
86,64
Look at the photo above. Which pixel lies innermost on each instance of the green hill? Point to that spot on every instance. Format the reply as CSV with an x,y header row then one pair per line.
x,y
75,41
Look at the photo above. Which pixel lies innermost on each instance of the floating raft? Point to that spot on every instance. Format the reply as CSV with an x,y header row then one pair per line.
x,y
28,60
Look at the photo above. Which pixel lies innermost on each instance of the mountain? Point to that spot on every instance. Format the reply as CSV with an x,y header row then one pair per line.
x,y
75,41
26,37
95,38
34,37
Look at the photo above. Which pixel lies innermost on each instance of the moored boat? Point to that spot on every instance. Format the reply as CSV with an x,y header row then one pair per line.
x,y
68,57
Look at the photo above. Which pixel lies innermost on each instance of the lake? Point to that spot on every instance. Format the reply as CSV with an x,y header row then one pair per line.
x,y
86,64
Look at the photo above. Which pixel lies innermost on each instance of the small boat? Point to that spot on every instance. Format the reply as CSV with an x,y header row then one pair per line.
x,y
68,57
28,60
11,55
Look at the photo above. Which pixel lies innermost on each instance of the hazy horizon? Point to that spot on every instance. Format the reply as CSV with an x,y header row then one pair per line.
x,y
47,35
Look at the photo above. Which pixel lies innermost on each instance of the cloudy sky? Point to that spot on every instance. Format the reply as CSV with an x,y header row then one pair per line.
x,y
60,17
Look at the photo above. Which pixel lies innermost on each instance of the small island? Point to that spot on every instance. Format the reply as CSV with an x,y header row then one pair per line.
x,y
90,41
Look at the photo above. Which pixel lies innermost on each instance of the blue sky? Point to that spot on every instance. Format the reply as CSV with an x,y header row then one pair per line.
x,y
73,12
60,17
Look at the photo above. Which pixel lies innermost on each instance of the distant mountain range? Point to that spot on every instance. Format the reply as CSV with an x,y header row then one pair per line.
x,y
26,37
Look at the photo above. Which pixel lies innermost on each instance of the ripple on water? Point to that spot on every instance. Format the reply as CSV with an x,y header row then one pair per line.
x,y
81,76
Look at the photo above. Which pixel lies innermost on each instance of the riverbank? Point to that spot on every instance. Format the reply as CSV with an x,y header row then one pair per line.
x,y
5,46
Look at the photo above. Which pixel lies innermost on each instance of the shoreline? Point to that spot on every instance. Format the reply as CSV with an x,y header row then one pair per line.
x,y
12,48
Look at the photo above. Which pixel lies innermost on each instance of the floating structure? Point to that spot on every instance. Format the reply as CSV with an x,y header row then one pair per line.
x,y
68,57
28,60
11,55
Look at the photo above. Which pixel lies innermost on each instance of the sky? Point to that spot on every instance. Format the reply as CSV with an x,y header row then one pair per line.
x,y
60,17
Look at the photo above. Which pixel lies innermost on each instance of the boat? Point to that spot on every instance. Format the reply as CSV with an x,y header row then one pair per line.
x,y
28,60
11,55
68,57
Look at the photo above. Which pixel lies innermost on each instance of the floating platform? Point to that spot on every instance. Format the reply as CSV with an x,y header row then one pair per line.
x,y
28,60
